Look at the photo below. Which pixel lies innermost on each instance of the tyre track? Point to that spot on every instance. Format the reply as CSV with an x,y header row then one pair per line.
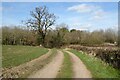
x,y
51,69
79,69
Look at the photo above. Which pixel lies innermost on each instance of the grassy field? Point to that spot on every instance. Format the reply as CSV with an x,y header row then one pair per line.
x,y
66,69
25,70
16,55
98,68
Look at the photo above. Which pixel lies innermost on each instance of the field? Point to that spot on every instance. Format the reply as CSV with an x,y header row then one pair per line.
x,y
29,61
15,55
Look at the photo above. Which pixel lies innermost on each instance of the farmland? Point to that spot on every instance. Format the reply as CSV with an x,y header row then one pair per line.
x,y
27,62
19,59
15,55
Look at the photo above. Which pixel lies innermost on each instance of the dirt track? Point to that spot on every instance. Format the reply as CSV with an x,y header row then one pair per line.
x,y
79,69
51,69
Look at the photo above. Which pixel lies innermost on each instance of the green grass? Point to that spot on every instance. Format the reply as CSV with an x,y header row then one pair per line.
x,y
27,70
66,69
98,68
16,55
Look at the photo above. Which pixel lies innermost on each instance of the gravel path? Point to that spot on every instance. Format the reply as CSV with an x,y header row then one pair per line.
x,y
79,69
51,69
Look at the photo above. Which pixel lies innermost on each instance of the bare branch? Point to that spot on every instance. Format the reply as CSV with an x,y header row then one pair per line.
x,y
41,20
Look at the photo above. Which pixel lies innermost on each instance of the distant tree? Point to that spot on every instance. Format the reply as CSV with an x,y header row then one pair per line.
x,y
72,30
110,36
49,38
62,29
97,37
85,36
41,20
17,36
55,38
73,37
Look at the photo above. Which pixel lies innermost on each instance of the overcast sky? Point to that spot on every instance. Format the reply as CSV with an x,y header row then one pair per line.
x,y
78,15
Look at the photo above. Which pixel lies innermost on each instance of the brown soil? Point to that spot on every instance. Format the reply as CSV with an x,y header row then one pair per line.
x,y
51,69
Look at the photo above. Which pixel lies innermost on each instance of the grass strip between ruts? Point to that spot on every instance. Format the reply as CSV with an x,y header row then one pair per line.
x,y
66,68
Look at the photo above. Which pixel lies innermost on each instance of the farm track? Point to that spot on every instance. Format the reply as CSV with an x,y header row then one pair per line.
x,y
51,69
79,69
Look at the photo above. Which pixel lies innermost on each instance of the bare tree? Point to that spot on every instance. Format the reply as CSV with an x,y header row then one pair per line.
x,y
41,20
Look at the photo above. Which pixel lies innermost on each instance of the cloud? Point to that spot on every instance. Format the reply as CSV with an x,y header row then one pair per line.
x,y
84,26
83,8
98,15
95,11
115,27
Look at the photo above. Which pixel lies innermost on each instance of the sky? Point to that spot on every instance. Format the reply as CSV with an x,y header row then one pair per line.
x,y
77,15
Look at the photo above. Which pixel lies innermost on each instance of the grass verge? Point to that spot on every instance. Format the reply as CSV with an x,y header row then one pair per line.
x,y
98,68
15,55
66,69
